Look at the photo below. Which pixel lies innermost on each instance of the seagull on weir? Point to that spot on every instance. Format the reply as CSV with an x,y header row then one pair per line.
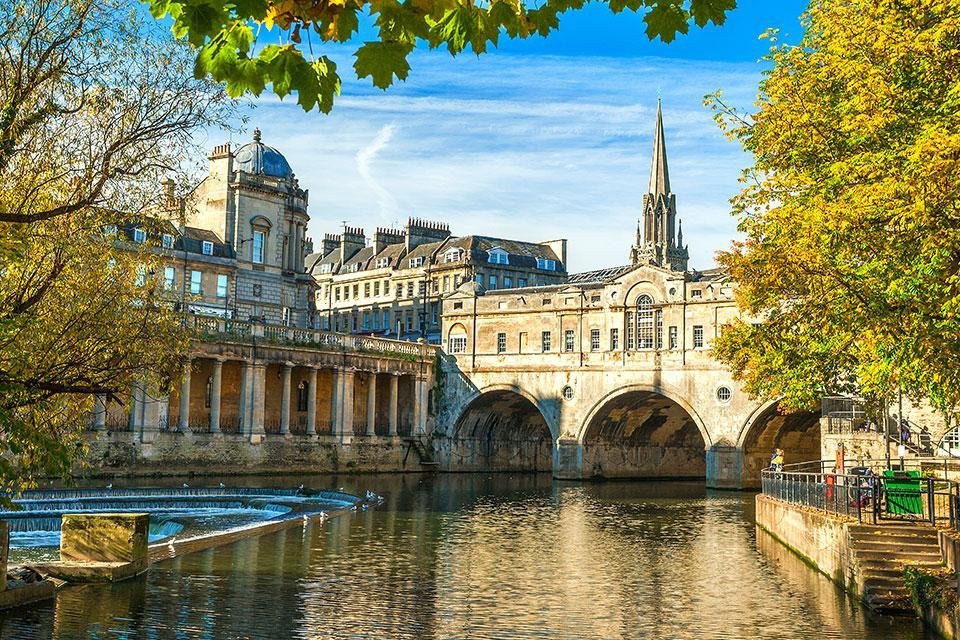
x,y
110,486
185,486
222,485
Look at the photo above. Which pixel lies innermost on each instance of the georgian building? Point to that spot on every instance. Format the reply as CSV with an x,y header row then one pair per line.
x,y
395,285
251,206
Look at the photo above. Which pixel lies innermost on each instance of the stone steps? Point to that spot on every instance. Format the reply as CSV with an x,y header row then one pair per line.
x,y
882,551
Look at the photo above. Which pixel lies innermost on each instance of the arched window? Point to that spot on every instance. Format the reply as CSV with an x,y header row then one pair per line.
x,y
645,322
457,339
302,396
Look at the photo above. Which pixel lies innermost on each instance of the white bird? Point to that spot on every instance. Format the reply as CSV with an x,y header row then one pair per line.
x,y
222,485
185,485
340,489
110,486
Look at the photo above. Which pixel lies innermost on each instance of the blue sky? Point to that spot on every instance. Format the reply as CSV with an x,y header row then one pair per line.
x,y
541,139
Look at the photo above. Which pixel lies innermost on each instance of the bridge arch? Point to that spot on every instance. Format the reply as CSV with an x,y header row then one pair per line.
x,y
769,428
643,431
501,428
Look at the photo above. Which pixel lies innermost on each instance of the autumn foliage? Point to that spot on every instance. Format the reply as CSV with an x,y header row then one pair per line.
x,y
851,210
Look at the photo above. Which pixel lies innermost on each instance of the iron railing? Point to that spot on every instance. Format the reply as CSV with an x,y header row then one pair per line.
x,y
866,496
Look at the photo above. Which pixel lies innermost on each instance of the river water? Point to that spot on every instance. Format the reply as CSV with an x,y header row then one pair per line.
x,y
475,556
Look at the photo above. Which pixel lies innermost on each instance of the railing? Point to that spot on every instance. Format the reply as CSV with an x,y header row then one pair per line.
x,y
867,496
845,415
209,326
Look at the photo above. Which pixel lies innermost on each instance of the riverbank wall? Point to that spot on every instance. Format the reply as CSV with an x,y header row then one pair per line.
x,y
123,454
869,560
822,540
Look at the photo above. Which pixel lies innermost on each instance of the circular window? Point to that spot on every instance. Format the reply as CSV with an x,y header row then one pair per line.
x,y
568,393
673,291
723,394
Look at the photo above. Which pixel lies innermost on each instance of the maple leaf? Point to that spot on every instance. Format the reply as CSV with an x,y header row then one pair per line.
x,y
381,61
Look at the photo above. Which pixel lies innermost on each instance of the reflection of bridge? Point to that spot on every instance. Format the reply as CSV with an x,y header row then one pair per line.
x,y
609,377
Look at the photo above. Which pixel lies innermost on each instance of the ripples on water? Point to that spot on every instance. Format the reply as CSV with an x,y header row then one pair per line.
x,y
476,557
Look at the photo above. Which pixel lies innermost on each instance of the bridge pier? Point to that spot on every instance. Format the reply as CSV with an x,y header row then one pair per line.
x,y
568,460
725,467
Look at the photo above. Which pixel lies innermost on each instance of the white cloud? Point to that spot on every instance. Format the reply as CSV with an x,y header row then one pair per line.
x,y
527,147
365,157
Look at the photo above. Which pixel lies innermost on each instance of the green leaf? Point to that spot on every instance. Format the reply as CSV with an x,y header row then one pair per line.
x,y
329,81
381,61
715,11
288,71
665,20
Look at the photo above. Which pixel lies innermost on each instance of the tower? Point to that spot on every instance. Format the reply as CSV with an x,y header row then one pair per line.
x,y
659,240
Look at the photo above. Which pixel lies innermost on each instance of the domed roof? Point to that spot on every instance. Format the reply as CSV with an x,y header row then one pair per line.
x,y
257,158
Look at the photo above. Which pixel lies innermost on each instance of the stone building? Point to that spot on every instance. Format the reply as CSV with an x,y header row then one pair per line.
x,y
610,374
395,284
251,203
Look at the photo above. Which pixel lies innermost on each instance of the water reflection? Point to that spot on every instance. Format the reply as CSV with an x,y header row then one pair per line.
x,y
470,556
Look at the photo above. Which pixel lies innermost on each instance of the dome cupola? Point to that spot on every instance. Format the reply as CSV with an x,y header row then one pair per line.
x,y
259,159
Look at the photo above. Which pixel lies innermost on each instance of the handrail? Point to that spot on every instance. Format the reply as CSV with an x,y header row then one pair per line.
x,y
923,463
867,495
210,325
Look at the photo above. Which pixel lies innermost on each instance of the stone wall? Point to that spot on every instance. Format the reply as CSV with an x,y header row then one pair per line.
x,y
821,540
119,454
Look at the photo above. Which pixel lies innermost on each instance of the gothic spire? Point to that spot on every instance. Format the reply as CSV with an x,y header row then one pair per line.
x,y
659,177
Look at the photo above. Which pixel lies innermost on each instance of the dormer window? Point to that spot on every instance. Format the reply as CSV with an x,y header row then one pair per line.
x,y
498,256
383,263
326,268
546,265
453,255
139,236
416,262
167,241
207,248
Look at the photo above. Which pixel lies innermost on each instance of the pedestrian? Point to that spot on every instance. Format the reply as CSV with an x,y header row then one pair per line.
x,y
925,440
776,460
904,431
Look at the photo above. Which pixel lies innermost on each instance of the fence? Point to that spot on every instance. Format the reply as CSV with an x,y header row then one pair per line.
x,y
867,496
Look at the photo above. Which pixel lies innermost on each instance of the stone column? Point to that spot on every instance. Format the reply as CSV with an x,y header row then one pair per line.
x,y
420,398
346,403
183,423
285,373
312,401
393,410
99,412
372,405
243,426
335,401
257,397
133,412
215,385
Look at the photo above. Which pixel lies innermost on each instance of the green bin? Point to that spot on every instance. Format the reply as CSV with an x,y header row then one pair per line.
x,y
904,493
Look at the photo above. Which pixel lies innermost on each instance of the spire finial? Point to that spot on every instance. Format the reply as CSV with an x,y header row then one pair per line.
x,y
256,134
659,176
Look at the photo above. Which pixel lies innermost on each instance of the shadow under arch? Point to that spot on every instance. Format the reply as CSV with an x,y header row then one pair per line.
x,y
769,428
640,432
500,429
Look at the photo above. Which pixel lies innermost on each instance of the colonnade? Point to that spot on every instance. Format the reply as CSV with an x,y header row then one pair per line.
x,y
351,401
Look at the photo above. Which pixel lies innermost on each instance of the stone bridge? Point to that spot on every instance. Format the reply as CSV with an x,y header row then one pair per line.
x,y
611,378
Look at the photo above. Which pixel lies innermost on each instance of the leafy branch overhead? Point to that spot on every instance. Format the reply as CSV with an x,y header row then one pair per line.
x,y
225,35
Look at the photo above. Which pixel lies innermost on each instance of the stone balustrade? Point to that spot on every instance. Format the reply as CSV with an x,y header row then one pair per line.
x,y
258,380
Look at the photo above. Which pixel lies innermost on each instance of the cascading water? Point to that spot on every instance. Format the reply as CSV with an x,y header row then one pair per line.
x,y
35,522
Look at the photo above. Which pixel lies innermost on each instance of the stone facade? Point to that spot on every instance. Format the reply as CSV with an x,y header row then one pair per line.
x,y
261,398
395,285
252,202
612,368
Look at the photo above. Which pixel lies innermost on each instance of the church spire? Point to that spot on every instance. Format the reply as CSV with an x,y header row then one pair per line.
x,y
660,243
659,176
